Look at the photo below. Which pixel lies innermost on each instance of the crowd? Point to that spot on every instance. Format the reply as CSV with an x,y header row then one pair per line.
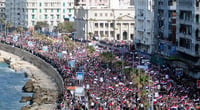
x,y
108,88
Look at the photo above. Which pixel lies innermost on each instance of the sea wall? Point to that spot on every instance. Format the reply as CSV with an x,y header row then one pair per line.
x,y
38,62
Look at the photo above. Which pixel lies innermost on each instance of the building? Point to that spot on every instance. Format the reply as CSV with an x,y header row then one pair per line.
x,y
27,13
106,23
2,9
166,19
187,33
105,19
144,26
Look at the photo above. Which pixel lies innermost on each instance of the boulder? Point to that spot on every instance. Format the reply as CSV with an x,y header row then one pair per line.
x,y
25,108
25,99
28,87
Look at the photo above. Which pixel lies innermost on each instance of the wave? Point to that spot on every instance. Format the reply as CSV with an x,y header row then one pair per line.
x,y
6,69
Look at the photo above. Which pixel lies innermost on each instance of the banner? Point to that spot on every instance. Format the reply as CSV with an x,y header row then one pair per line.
x,y
45,48
71,63
15,38
79,91
79,75
59,55
30,43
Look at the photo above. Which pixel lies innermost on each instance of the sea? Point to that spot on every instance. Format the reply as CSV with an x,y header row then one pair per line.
x,y
11,84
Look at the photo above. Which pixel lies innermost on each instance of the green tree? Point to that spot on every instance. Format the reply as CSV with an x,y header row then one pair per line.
x,y
90,35
2,21
90,50
106,57
68,27
67,41
39,25
8,26
19,29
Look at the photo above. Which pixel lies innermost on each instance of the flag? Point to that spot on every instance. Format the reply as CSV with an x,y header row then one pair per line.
x,y
110,87
169,87
30,43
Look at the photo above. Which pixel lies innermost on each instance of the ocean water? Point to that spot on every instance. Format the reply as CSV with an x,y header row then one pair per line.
x,y
11,84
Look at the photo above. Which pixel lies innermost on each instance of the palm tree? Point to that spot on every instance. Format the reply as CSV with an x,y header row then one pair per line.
x,y
60,27
106,57
90,50
8,26
2,22
19,29
67,41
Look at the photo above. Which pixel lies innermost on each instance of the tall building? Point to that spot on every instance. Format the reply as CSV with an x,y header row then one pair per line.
x,y
2,9
144,26
166,19
187,33
27,13
112,20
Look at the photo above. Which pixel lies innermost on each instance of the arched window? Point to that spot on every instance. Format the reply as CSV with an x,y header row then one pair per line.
x,y
125,35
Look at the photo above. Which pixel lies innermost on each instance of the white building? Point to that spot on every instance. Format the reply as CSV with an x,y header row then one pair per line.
x,y
144,25
27,13
111,20
106,23
2,9
188,24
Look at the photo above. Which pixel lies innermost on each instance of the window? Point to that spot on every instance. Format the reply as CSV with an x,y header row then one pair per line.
x,y
40,10
51,22
45,16
51,16
63,16
101,25
111,14
58,10
45,10
95,14
32,10
40,16
106,14
64,4
33,23
40,4
96,25
63,10
58,16
101,14
70,10
52,10
33,16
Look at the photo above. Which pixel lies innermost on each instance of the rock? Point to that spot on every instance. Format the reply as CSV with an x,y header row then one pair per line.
x,y
28,87
25,108
25,99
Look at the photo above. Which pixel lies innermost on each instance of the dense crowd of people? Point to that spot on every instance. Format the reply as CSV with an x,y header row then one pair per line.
x,y
108,88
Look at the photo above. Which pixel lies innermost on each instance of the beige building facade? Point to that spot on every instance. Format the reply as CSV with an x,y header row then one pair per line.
x,y
106,23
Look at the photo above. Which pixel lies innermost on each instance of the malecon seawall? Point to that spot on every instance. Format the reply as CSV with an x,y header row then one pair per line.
x,y
38,62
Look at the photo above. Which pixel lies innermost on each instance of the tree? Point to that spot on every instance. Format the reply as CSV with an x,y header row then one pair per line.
x,y
19,29
39,25
70,45
2,22
60,27
90,35
8,26
106,57
90,50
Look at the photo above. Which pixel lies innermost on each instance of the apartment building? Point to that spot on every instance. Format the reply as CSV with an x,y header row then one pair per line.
x,y
187,33
106,23
166,19
2,9
144,26
27,13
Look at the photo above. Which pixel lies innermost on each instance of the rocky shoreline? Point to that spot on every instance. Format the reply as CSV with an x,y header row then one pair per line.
x,y
45,91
